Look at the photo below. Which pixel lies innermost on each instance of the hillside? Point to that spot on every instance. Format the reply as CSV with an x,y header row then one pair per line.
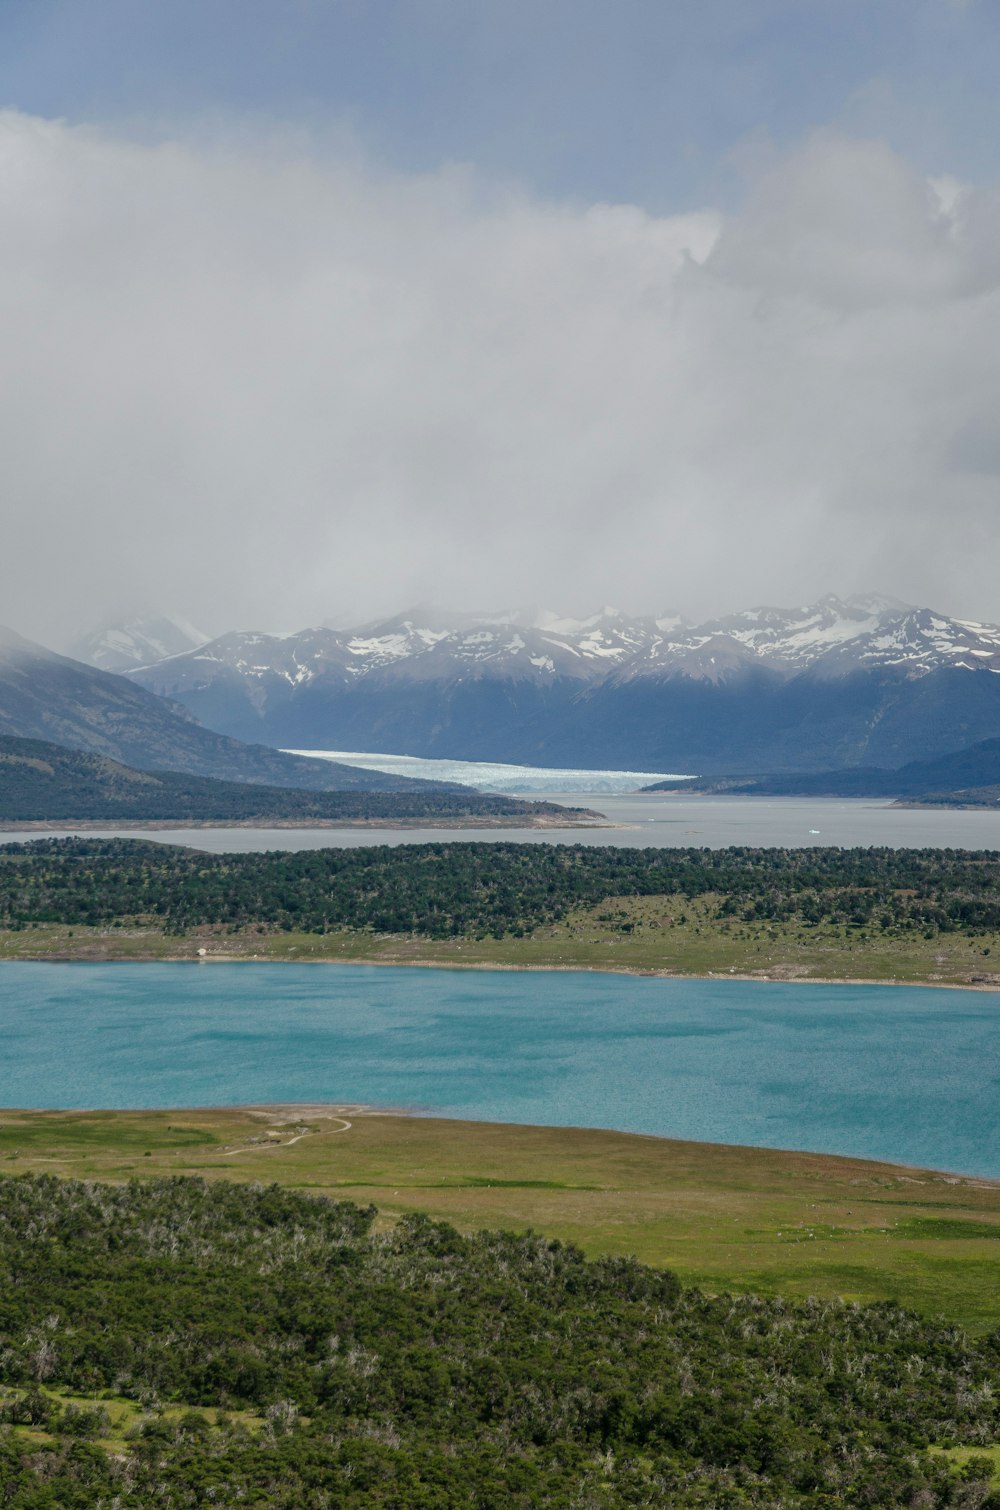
x,y
718,1215
42,782
174,1342
49,697
839,683
965,778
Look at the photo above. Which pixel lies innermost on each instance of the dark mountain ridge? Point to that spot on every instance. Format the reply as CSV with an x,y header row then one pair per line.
x,y
50,697
48,783
969,777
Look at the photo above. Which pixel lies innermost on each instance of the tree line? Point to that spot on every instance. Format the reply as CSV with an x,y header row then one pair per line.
x,y
447,889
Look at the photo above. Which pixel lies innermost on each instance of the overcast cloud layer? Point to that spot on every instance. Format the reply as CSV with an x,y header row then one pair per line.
x,y
263,383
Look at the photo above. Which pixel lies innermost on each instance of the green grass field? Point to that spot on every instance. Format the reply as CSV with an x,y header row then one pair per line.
x,y
724,1218
123,1417
671,935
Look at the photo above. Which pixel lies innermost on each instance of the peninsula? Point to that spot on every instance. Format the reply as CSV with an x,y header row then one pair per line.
x,y
917,916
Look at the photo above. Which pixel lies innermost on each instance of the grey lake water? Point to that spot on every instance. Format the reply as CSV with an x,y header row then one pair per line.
x,y
642,819
891,1072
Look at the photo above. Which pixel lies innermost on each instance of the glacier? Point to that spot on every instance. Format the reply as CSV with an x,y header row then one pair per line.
x,y
485,776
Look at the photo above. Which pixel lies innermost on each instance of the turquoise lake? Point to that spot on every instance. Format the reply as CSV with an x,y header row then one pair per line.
x,y
890,1072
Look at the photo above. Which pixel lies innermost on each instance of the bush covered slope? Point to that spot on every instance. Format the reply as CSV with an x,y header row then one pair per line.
x,y
420,1368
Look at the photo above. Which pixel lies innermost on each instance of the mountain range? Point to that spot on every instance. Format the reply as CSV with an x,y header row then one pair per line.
x,y
839,683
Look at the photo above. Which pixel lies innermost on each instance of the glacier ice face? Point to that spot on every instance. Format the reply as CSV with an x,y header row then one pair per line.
x,y
490,777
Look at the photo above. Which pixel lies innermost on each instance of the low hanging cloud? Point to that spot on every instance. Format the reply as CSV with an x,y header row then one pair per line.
x,y
263,383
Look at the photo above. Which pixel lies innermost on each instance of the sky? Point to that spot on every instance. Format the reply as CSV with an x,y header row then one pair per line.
x,y
315,309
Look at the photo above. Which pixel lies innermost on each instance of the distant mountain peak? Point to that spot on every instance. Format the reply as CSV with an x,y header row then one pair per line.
x,y
140,640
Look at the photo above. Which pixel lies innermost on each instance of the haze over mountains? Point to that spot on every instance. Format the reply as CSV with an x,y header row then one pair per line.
x,y
842,682
117,645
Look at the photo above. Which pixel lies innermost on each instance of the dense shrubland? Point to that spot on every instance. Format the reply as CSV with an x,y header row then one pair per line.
x,y
446,889
419,1368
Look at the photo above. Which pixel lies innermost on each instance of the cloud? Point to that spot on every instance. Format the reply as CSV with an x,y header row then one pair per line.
x,y
262,382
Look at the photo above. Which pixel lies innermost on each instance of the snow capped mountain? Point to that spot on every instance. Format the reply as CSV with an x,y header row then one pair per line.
x,y
122,645
919,640
850,681
834,636
427,648
798,636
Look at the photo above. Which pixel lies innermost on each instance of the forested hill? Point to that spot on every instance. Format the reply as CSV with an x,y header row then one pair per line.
x,y
270,1348
42,782
443,890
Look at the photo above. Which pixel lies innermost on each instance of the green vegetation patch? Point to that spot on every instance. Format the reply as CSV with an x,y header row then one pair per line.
x,y
977,1464
723,1218
177,1342
492,1183
445,890
946,1229
38,1414
125,1132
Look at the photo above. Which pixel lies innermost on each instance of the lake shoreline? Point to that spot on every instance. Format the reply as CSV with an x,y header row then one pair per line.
x,y
850,1072
777,978
584,818
630,821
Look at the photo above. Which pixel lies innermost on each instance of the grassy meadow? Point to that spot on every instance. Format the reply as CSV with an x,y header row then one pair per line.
x,y
724,1218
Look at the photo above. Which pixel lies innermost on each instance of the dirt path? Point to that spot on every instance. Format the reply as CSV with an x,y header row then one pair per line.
x,y
345,1126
